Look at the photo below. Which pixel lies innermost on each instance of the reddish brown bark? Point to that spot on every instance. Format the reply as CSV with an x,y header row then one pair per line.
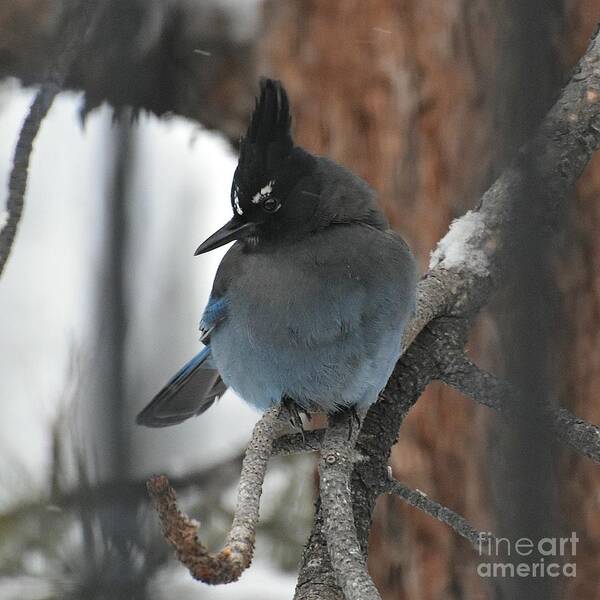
x,y
579,279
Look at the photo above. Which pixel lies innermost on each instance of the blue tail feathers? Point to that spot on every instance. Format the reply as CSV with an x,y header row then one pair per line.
x,y
191,391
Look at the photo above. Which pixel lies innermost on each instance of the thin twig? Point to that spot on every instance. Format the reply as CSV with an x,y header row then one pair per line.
x,y
420,500
182,532
487,389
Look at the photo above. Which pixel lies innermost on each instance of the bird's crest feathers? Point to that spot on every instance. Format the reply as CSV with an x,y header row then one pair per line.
x,y
268,140
271,120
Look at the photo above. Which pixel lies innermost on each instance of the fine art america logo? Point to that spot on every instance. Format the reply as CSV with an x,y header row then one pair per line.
x,y
525,557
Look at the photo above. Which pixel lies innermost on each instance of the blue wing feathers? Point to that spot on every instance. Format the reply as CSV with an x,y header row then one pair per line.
x,y
215,312
196,386
191,391
189,366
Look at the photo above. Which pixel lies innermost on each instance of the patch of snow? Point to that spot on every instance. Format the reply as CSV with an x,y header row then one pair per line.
x,y
32,588
260,582
462,247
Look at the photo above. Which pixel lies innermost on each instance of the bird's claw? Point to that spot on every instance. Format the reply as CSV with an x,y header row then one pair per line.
x,y
294,415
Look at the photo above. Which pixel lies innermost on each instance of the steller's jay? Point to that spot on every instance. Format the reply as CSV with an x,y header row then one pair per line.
x,y
309,304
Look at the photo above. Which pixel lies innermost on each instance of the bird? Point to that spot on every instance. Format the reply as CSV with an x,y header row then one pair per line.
x,y
309,304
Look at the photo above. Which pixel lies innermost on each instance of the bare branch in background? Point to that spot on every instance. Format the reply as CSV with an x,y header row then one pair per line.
x,y
73,40
97,495
457,522
488,390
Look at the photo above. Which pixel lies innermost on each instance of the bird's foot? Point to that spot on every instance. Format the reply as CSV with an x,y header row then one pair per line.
x,y
294,414
353,420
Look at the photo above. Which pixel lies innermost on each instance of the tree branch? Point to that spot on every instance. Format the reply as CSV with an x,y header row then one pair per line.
x,y
487,389
181,531
421,501
471,258
337,460
73,40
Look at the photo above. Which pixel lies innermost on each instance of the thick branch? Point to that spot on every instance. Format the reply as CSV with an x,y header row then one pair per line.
x,y
490,391
297,443
421,501
347,559
181,531
469,261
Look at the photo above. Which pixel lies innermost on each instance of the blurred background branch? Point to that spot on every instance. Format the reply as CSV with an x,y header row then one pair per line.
x,y
194,59
78,28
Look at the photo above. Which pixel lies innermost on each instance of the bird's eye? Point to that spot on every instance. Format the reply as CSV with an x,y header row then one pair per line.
x,y
271,204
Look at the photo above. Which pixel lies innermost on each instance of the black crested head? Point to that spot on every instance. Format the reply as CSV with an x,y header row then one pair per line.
x,y
267,143
269,164
281,192
272,195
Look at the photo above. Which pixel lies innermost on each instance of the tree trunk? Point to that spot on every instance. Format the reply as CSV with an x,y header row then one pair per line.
x,y
579,280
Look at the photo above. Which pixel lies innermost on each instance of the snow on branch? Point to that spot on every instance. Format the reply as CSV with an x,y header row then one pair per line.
x,y
462,248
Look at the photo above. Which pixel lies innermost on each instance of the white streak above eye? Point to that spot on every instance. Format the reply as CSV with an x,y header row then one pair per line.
x,y
264,191
236,204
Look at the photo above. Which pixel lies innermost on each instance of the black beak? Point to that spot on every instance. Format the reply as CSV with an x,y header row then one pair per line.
x,y
232,230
